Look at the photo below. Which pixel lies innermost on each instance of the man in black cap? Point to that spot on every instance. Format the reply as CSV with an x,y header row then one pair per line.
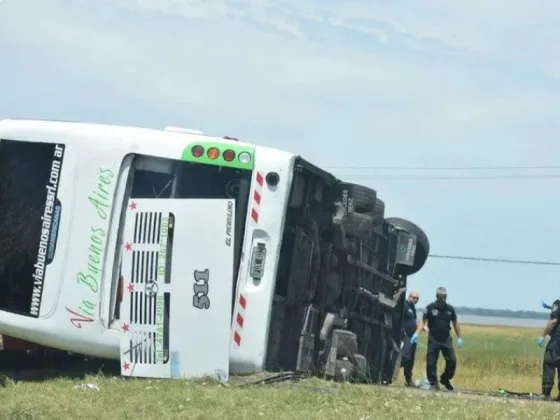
x,y
551,360
439,315
409,328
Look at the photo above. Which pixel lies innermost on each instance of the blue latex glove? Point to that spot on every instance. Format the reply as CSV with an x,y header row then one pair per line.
x,y
414,338
459,342
545,305
541,341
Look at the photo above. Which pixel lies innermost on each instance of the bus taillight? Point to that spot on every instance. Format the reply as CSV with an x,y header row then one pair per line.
x,y
197,151
229,155
213,153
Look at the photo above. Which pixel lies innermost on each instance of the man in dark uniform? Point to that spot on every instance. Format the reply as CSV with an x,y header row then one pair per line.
x,y
409,328
551,360
438,315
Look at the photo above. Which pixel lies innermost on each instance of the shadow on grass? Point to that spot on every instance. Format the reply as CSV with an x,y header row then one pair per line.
x,y
17,366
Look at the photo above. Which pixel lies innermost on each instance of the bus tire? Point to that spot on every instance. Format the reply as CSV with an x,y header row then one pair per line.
x,y
357,198
422,244
378,212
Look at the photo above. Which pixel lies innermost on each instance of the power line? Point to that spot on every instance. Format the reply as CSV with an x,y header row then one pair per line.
x,y
444,168
498,260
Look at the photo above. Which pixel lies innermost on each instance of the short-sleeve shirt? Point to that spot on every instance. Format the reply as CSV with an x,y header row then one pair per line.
x,y
410,318
439,320
555,314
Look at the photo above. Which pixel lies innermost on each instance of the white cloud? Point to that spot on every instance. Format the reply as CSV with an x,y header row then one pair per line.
x,y
262,65
511,30
495,29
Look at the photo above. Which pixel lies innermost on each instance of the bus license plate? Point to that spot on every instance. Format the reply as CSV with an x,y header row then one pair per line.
x,y
257,261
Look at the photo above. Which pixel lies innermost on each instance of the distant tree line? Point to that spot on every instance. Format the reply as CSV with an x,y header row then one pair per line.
x,y
501,313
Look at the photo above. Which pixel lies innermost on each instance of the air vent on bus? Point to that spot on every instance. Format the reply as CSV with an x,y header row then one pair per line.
x,y
142,309
143,347
147,227
149,301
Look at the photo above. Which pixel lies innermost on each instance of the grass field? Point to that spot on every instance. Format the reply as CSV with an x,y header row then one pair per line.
x,y
492,357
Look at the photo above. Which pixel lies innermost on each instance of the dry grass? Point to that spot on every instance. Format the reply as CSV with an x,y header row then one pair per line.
x,y
492,358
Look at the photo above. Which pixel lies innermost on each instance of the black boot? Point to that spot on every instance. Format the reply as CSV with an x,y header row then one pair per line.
x,y
447,384
408,382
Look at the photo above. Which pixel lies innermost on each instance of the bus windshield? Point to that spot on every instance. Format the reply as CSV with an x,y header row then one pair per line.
x,y
29,216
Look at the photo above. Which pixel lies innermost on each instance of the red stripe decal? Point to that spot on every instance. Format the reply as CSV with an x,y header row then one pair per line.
x,y
257,197
254,215
240,320
260,179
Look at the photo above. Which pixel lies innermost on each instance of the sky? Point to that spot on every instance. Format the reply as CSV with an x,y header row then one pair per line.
x,y
345,84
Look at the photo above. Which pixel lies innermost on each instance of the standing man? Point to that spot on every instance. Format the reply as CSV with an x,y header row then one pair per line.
x,y
409,328
551,360
438,315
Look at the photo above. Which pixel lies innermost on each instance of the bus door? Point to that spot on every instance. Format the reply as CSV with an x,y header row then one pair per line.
x,y
177,270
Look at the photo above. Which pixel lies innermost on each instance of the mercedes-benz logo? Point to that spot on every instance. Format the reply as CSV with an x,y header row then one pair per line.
x,y
151,288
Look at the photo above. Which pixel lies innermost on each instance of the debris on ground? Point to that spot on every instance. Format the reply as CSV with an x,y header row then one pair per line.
x,y
87,387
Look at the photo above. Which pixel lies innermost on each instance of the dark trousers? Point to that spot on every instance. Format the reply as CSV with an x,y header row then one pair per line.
x,y
432,355
551,364
408,356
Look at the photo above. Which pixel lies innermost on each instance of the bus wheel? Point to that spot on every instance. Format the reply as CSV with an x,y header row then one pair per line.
x,y
378,212
357,198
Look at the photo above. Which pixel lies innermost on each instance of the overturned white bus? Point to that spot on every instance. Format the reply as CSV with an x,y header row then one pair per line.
x,y
185,255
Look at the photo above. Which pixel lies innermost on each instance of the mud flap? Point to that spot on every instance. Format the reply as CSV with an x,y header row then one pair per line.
x,y
177,268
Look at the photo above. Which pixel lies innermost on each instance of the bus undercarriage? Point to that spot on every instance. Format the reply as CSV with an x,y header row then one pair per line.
x,y
340,289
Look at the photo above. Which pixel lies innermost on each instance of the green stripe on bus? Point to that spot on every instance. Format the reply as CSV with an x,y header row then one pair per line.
x,y
220,161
